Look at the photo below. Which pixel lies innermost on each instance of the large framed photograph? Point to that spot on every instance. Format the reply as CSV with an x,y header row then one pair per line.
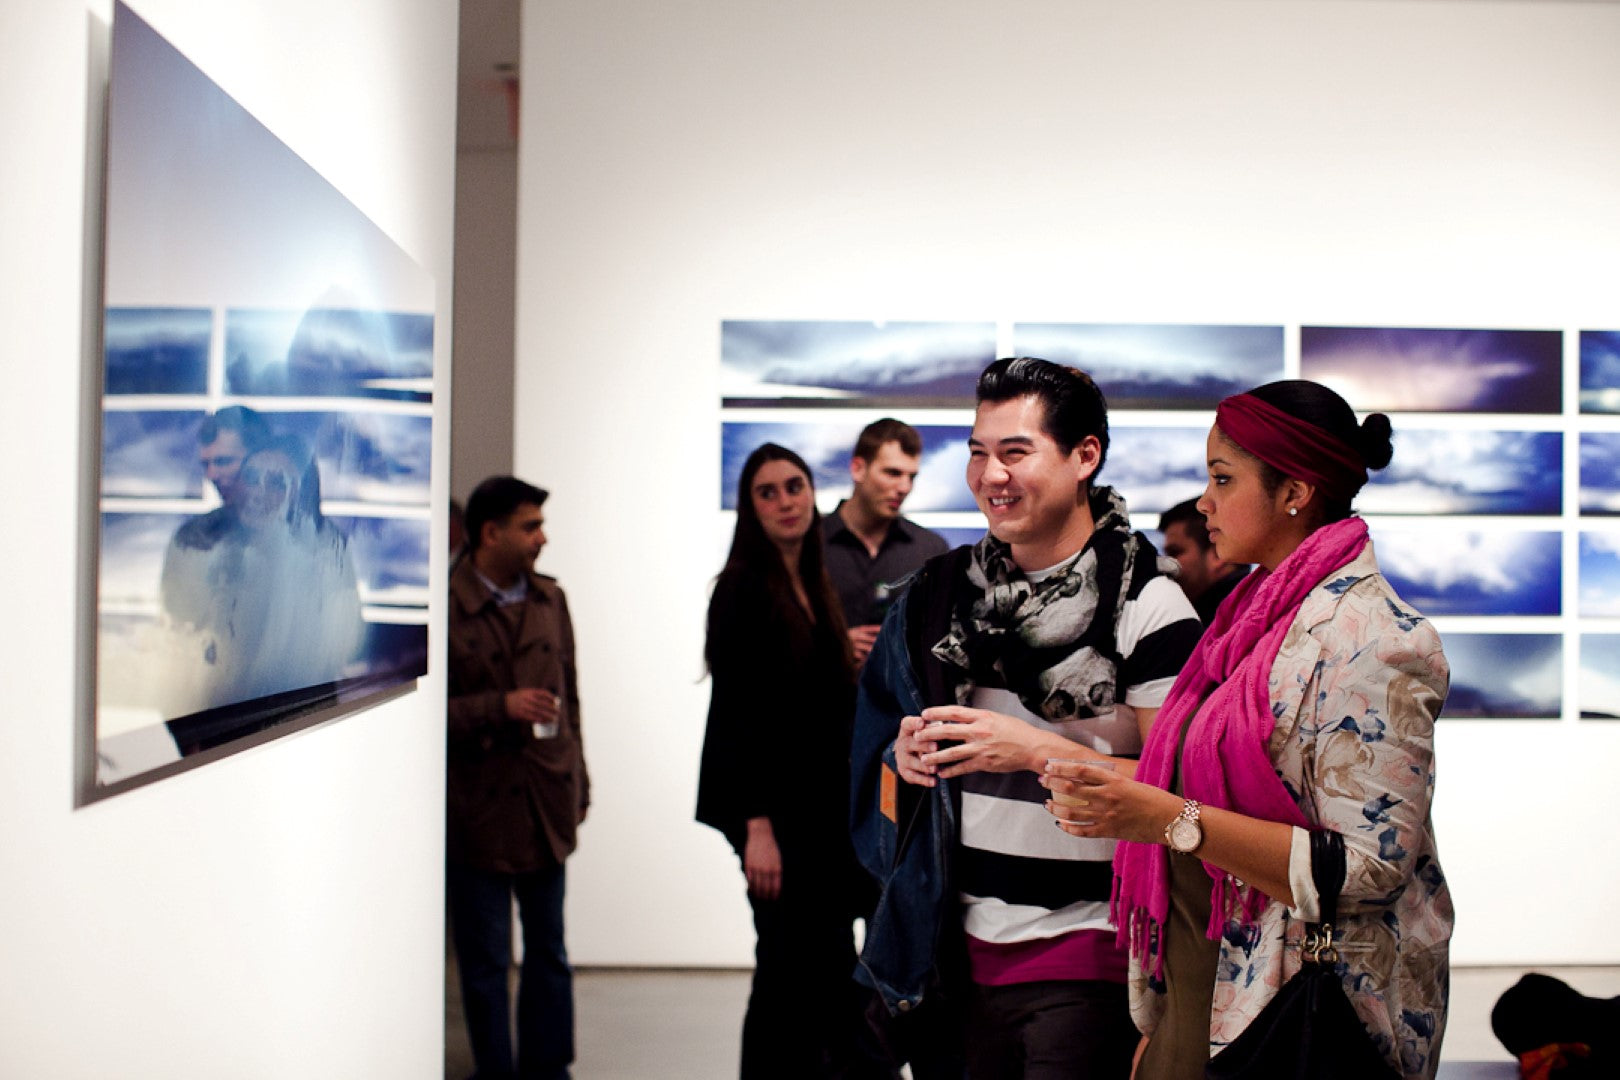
x,y
266,435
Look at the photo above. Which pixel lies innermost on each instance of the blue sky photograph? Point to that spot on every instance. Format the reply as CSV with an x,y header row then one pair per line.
x,y
941,480
1462,572
1156,467
1600,573
326,352
1427,370
1149,366
150,454
800,362
1469,472
1600,473
1600,371
157,350
1598,689
1504,676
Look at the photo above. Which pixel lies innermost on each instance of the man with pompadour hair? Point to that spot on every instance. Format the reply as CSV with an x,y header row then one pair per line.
x,y
1054,637
518,788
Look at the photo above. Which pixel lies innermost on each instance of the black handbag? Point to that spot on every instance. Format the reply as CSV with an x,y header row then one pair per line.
x,y
1309,1031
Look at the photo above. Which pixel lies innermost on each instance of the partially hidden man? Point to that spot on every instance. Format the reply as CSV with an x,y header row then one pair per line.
x,y
518,788
1056,636
870,547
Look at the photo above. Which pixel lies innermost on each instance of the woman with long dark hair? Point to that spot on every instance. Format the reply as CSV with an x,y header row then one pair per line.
x,y
1308,706
779,659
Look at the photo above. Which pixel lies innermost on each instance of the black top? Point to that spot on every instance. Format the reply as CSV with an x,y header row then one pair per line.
x,y
1211,599
865,584
775,672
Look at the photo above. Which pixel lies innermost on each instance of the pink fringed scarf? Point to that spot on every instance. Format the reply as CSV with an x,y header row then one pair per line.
x,y
1223,693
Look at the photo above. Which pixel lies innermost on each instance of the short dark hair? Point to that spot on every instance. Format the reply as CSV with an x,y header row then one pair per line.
x,y
247,424
1187,516
879,433
1072,404
496,499
1316,404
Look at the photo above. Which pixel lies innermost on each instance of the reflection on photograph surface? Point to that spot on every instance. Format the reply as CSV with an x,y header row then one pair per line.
x,y
797,362
1469,472
239,281
1600,371
329,352
157,350
1422,370
941,478
1600,473
1598,692
1454,572
1151,366
150,454
1504,676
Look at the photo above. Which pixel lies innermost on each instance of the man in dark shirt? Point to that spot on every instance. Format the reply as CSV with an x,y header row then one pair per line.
x,y
869,546
1204,576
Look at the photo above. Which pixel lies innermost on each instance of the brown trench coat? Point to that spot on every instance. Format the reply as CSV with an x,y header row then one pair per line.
x,y
514,801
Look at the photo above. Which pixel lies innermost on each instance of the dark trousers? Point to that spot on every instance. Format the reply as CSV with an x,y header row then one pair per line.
x,y
804,1008
1060,1030
928,1037
481,926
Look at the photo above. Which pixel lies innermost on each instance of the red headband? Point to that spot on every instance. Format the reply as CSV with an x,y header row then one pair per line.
x,y
1292,446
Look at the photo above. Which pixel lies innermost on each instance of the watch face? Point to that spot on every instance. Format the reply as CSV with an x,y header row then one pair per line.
x,y
1185,834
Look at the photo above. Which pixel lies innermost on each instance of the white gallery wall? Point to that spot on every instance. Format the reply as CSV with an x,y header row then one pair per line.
x,y
278,913
1357,162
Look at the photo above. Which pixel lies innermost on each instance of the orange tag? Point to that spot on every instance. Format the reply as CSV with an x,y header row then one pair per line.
x,y
889,795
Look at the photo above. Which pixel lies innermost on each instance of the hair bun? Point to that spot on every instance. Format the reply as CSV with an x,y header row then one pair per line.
x,y
1376,445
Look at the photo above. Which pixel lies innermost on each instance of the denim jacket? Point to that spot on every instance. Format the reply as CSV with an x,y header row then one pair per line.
x,y
905,836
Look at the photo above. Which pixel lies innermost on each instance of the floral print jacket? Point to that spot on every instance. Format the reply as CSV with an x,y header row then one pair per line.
x,y
1356,688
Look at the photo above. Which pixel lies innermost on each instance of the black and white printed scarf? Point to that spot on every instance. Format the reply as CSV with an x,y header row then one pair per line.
x,y
1046,642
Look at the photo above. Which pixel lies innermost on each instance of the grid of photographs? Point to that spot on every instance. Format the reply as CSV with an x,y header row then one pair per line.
x,y
266,433
1499,517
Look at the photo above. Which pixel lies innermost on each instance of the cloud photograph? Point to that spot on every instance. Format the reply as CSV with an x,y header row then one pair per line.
x,y
1426,370
1450,471
1154,366
1467,572
825,447
1504,676
1156,467
876,364
157,350
1600,574
1598,688
1600,473
1600,371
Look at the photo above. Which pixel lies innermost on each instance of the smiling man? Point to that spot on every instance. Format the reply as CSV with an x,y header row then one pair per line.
x,y
869,546
1056,636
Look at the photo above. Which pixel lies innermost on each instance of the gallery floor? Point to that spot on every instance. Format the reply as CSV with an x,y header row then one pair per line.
x,y
636,1024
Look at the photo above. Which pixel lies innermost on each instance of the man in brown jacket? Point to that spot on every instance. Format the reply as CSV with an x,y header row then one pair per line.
x,y
517,782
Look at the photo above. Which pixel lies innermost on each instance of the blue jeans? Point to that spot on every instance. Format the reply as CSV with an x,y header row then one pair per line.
x,y
481,925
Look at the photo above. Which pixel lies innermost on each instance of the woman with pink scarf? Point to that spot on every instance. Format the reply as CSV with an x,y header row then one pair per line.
x,y
1309,704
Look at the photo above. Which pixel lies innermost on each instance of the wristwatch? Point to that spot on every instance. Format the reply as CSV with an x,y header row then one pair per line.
x,y
1184,834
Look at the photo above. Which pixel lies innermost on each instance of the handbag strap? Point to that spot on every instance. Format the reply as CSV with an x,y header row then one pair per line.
x,y
1327,873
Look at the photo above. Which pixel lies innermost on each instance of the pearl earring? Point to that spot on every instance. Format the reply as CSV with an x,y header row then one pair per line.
x,y
1293,511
